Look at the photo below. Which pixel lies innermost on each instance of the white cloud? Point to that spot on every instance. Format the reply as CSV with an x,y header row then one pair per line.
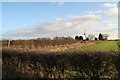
x,y
74,25
58,3
109,5
112,12
61,27
91,18
61,3
111,25
95,12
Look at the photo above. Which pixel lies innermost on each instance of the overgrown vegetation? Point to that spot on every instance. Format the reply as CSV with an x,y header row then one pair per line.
x,y
38,43
92,60
36,64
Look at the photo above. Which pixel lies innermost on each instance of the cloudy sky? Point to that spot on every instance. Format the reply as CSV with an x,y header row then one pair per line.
x,y
50,19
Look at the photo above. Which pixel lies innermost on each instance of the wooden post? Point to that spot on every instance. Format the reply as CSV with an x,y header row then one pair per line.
x,y
9,43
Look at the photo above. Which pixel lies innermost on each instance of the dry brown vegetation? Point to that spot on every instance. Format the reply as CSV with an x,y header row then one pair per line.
x,y
55,59
37,43
37,64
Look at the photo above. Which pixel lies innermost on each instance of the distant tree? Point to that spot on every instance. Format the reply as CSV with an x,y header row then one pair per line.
x,y
63,38
91,37
105,36
100,37
76,37
80,38
87,39
38,38
69,38
96,38
56,38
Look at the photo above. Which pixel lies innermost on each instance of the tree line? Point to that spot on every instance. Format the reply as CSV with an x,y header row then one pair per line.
x,y
92,37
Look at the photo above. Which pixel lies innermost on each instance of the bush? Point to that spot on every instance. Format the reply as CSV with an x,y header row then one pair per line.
x,y
38,43
36,64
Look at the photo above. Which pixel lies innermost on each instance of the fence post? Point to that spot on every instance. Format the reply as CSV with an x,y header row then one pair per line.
x,y
9,43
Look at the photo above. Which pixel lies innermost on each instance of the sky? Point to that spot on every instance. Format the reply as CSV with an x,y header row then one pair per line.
x,y
22,20
0,20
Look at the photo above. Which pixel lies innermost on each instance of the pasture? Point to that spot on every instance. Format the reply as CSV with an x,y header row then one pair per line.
x,y
103,46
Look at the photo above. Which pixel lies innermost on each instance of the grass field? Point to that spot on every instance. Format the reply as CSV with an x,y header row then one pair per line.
x,y
94,46
102,46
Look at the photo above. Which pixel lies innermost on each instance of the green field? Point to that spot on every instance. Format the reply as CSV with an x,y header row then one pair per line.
x,y
102,46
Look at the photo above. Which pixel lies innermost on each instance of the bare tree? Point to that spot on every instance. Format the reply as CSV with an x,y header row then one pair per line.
x,y
105,36
91,37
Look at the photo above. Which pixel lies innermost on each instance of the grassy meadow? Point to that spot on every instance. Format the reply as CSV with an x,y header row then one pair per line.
x,y
65,59
103,46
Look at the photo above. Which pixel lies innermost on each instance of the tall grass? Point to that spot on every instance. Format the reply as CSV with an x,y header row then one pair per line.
x,y
38,43
64,65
